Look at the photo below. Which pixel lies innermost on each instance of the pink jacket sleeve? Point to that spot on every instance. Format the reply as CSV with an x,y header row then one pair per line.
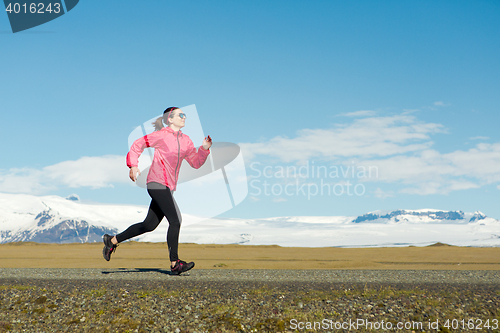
x,y
138,147
196,158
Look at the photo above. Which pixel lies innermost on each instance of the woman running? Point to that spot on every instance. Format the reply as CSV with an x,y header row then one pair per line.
x,y
171,147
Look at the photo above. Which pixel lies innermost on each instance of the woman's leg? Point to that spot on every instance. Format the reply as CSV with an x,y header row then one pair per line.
x,y
152,220
163,197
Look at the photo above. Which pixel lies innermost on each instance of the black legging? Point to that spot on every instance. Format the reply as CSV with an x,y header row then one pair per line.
x,y
162,205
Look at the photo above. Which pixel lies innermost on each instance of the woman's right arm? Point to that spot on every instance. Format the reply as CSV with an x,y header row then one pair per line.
x,y
136,150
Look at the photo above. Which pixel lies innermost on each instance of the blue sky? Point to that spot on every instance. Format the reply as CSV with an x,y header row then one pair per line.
x,y
410,88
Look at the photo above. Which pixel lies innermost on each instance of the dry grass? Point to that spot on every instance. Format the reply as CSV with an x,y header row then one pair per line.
x,y
239,307
155,255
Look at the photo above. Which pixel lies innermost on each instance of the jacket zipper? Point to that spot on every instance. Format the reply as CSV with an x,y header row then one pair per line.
x,y
178,157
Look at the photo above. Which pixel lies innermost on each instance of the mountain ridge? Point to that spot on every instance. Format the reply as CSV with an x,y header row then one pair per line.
x,y
53,219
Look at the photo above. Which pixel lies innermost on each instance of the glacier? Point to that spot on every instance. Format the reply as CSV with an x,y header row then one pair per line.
x,y
54,219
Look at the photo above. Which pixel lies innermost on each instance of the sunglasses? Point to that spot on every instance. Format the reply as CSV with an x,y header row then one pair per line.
x,y
182,115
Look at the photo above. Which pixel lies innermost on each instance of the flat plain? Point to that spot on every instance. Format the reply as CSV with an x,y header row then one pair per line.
x,y
242,288
209,256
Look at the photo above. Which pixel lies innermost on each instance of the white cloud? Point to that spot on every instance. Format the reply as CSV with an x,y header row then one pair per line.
x,y
399,147
379,193
455,185
361,113
367,137
441,103
434,173
479,138
443,187
423,189
410,111
23,180
93,172
482,162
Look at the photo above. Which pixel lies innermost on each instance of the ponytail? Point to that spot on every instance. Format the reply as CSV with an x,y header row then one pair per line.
x,y
158,123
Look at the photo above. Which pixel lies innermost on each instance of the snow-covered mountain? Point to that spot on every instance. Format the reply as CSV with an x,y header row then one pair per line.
x,y
420,216
53,219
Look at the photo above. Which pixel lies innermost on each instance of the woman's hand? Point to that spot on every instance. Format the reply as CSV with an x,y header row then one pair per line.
x,y
134,171
207,143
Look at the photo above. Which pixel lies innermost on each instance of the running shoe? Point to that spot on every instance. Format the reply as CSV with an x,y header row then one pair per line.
x,y
108,247
181,267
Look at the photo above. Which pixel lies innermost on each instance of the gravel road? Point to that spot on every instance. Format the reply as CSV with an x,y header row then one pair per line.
x,y
218,300
327,276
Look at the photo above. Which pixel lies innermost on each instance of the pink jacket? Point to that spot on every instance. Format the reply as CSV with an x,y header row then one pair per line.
x,y
170,149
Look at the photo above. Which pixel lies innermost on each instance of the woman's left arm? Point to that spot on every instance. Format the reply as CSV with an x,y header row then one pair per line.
x,y
196,158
